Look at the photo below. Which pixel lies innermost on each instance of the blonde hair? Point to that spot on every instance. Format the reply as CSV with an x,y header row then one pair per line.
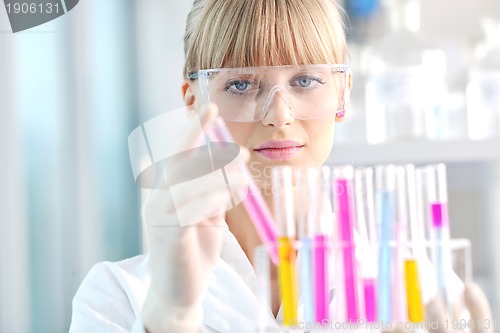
x,y
245,33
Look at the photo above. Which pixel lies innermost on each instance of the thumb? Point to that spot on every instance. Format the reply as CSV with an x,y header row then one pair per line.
x,y
436,317
479,308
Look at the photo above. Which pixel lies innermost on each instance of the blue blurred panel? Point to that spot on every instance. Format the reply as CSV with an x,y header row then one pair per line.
x,y
362,8
77,101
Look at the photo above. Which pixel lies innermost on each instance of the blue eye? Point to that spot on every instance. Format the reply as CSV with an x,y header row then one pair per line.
x,y
240,85
305,82
310,82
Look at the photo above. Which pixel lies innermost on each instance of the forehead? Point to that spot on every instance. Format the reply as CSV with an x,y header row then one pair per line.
x,y
278,53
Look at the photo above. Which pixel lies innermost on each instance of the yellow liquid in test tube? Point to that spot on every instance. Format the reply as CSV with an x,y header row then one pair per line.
x,y
288,280
413,295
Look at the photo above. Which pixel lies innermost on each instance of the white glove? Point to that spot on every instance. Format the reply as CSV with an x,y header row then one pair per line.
x,y
184,216
481,320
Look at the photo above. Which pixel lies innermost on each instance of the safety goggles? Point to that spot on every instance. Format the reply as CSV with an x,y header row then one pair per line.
x,y
249,94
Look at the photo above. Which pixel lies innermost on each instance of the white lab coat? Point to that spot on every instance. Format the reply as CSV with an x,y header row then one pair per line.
x,y
111,296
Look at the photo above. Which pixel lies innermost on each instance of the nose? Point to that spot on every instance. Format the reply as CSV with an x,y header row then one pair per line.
x,y
278,108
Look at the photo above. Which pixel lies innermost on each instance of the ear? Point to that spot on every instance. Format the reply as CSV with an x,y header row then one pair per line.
x,y
341,115
188,92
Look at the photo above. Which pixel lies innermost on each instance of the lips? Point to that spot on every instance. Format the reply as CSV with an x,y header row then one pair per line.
x,y
279,150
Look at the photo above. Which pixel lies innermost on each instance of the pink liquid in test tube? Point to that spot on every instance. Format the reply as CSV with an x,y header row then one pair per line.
x,y
438,198
321,292
370,299
344,209
439,213
365,222
263,222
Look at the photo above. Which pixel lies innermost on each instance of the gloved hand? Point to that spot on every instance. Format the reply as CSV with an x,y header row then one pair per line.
x,y
481,320
184,215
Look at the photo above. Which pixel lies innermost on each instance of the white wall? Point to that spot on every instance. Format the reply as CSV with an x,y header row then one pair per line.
x,y
160,32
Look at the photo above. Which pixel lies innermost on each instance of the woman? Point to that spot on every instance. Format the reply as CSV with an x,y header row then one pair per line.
x,y
200,277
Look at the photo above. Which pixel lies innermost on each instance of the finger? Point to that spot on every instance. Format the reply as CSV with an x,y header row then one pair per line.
x,y
436,317
202,186
192,164
479,308
165,139
202,161
179,210
204,208
230,175
230,178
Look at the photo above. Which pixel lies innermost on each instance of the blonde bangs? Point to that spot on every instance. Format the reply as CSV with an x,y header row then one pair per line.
x,y
246,33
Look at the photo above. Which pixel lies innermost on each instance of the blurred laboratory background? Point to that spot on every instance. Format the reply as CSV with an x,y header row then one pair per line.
x,y
426,89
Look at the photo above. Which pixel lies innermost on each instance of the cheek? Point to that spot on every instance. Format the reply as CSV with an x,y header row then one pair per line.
x,y
240,132
321,138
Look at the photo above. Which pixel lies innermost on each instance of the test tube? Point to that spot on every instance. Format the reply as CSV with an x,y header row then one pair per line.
x,y
422,215
416,249
253,202
305,229
322,217
365,222
408,254
284,214
400,309
385,182
440,234
344,209
262,267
